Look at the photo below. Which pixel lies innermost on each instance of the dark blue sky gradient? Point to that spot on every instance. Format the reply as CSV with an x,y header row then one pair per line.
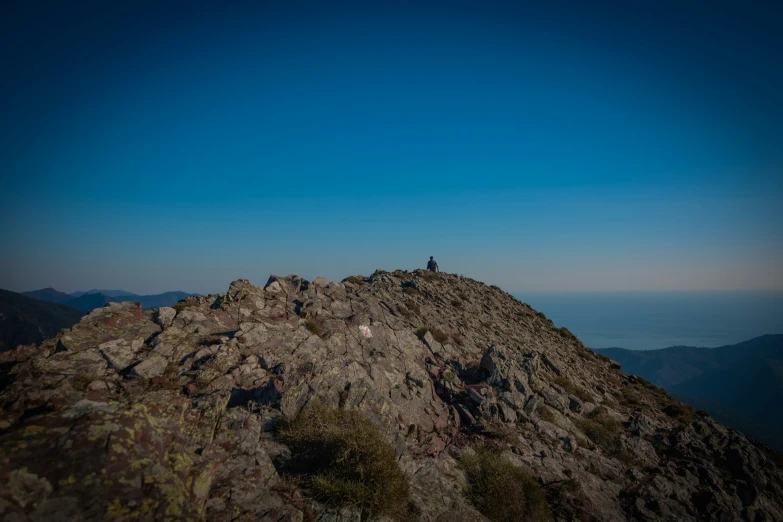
x,y
568,147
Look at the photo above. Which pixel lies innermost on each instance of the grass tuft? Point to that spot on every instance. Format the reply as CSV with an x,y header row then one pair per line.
x,y
356,280
345,461
315,327
605,431
501,491
572,389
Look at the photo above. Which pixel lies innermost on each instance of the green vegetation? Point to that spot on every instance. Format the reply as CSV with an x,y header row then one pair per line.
x,y
356,280
501,491
344,460
605,431
438,335
315,327
428,275
209,340
404,311
185,304
545,412
572,389
565,333
411,290
680,412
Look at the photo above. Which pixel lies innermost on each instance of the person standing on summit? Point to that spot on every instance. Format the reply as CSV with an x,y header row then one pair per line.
x,y
432,265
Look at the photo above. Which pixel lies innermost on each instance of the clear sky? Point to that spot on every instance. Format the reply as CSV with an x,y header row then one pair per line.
x,y
179,146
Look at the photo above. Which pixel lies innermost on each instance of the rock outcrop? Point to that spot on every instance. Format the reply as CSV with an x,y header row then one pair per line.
x,y
171,414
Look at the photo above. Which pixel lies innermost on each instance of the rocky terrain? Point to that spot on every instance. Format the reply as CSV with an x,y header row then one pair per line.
x,y
175,414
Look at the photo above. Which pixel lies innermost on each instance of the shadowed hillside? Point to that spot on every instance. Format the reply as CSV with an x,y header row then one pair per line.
x,y
741,384
24,320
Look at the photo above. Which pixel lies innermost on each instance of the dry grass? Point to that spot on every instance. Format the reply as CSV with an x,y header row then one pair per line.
x,y
344,460
411,290
546,413
438,335
572,389
315,327
605,431
501,491
356,280
185,304
404,311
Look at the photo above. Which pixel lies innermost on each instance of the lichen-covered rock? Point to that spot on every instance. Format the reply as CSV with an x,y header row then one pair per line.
x,y
171,414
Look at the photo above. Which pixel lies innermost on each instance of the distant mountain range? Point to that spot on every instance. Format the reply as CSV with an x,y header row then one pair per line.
x,y
92,299
110,293
741,385
24,320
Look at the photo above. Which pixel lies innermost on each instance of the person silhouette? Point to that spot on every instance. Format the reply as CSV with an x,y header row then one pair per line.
x,y
432,265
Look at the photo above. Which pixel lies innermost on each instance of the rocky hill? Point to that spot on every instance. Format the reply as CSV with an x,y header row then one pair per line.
x,y
24,320
408,396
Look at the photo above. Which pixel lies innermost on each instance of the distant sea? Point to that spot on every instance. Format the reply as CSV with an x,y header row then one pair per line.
x,y
652,320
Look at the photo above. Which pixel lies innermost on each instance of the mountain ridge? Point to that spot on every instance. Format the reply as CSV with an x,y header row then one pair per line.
x,y
183,407
90,300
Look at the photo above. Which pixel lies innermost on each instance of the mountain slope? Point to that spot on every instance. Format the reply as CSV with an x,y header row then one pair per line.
x,y
88,302
49,295
181,413
740,384
24,320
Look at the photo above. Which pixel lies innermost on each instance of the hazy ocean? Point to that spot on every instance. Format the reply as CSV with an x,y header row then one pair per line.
x,y
651,320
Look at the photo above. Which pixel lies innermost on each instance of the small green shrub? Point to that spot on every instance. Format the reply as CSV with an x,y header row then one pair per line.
x,y
680,412
185,304
79,382
464,297
412,290
565,333
345,461
315,327
545,412
501,491
605,432
356,280
438,335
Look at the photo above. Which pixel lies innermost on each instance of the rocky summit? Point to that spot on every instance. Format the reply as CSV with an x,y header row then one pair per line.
x,y
187,413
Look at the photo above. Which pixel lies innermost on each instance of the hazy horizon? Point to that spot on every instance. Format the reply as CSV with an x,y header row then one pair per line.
x,y
583,147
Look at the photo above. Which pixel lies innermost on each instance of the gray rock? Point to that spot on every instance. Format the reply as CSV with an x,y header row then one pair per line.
x,y
153,366
165,316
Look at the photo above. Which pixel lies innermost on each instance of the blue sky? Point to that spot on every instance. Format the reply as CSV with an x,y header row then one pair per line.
x,y
181,146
